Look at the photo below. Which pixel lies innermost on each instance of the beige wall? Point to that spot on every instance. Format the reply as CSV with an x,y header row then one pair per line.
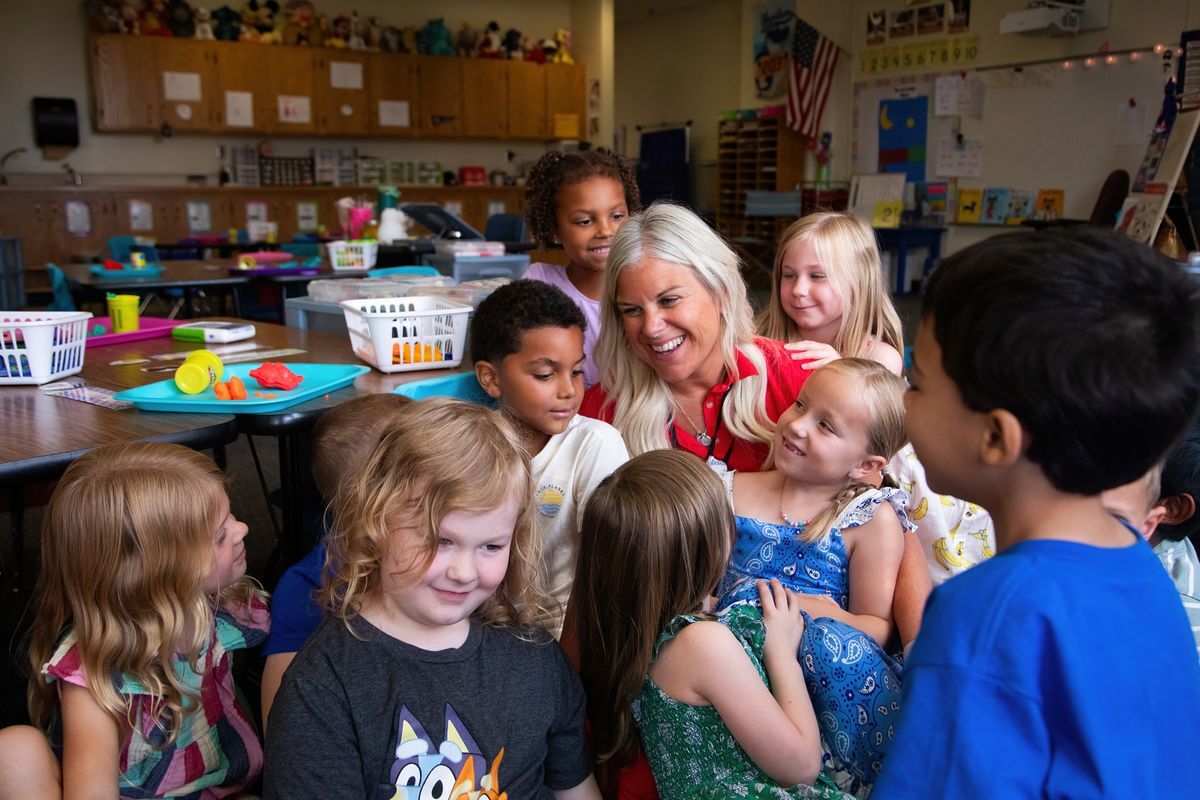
x,y
42,53
594,41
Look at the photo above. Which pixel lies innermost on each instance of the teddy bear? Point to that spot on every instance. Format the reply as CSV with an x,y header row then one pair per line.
x,y
358,33
104,16
131,15
533,50
374,33
181,19
491,46
300,27
226,24
339,32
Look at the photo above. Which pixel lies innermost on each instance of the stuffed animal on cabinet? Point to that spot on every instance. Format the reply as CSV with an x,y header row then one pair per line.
x,y
435,39
562,39
104,16
227,24
491,46
181,19
154,19
358,33
204,28
512,45
467,41
301,26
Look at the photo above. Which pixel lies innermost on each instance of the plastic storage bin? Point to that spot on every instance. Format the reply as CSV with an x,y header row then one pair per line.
x,y
41,346
470,268
401,334
353,255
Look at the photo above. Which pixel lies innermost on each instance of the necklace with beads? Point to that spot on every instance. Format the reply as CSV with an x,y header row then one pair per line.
x,y
794,523
701,434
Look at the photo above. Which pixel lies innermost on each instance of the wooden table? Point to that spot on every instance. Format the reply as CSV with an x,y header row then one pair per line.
x,y
291,427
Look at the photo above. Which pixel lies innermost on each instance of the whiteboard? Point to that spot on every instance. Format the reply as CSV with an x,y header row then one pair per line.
x,y
1041,128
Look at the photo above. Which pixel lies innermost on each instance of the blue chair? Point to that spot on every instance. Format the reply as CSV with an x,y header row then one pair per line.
x,y
301,249
505,228
383,271
62,295
461,385
119,247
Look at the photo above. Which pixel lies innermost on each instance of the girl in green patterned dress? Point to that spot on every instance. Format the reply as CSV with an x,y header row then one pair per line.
x,y
719,701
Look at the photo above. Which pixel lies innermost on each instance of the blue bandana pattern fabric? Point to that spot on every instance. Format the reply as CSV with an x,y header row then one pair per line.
x,y
853,683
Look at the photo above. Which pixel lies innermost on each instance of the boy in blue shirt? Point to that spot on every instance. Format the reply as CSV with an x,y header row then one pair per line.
x,y
1049,367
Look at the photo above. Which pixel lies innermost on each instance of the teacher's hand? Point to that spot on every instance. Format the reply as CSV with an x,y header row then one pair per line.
x,y
812,355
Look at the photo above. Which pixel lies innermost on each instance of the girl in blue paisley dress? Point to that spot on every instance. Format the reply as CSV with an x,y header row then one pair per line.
x,y
817,522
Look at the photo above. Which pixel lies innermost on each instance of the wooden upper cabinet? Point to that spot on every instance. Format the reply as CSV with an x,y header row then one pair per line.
x,y
526,100
392,82
243,97
566,101
124,83
341,91
291,102
485,97
187,86
441,90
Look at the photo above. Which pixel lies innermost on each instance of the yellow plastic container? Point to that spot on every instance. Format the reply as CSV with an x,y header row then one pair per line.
x,y
199,371
123,310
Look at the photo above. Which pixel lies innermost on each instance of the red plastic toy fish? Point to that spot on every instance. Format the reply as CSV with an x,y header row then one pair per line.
x,y
275,375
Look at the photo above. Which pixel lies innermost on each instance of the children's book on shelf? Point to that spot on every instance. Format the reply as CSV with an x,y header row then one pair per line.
x,y
929,198
1020,207
970,205
995,207
1049,204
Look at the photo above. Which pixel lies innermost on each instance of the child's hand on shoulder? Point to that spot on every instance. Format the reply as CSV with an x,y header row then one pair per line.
x,y
781,618
812,355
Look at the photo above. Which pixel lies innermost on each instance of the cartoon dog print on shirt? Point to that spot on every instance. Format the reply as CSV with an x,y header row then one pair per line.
x,y
423,771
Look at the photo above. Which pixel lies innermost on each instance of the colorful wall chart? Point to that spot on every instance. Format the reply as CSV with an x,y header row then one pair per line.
x,y
902,129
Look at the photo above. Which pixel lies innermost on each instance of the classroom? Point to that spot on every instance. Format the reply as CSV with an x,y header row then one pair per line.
x,y
254,255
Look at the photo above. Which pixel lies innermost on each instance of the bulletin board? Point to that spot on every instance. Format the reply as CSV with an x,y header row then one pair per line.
x,y
1040,127
889,103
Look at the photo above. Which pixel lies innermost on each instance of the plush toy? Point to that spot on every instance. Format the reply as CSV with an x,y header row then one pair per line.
x,y
248,33
491,46
533,50
549,48
389,40
181,19
261,15
467,41
408,39
131,15
104,16
204,28
226,24
339,32
435,38
512,45
358,33
562,38
374,33
154,19
300,27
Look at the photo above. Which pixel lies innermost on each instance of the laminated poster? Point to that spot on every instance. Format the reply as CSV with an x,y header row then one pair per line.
x,y
345,75
141,215
306,216
239,109
294,109
199,215
995,207
184,86
79,218
394,113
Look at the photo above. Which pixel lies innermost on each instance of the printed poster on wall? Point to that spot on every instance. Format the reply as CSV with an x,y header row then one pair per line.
x,y
960,16
199,215
876,27
295,109
306,216
773,35
239,109
141,216
902,126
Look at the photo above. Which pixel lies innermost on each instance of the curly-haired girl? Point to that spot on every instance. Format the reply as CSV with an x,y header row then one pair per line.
x,y
577,201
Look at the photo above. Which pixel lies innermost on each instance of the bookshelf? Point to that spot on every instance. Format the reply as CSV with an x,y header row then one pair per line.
x,y
755,153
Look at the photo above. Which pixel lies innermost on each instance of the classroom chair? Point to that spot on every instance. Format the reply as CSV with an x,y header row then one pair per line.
x,y
461,385
505,228
58,287
119,247
301,249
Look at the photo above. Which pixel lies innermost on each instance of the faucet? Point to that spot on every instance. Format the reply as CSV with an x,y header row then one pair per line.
x,y
4,160
75,177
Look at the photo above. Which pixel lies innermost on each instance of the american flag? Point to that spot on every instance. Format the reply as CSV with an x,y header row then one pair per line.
x,y
813,60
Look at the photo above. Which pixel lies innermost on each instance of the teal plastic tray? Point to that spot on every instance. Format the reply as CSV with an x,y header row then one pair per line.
x,y
318,379
152,270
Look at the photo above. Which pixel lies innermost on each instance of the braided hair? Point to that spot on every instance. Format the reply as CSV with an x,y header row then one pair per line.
x,y
555,170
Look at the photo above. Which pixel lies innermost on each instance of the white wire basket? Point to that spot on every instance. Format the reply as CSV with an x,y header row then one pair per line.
x,y
357,255
37,347
403,334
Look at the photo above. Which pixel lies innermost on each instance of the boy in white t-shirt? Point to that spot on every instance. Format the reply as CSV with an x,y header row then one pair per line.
x,y
527,342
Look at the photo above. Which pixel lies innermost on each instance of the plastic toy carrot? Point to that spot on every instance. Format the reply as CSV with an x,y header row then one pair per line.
x,y
237,389
222,391
274,375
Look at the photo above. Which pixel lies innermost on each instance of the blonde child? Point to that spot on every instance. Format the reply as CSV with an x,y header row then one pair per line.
x,y
426,678
140,599
816,522
577,201
719,701
828,296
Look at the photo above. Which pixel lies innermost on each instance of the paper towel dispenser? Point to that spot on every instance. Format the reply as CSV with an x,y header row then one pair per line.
x,y
55,122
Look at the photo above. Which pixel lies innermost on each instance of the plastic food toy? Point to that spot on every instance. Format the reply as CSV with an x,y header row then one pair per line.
x,y
275,375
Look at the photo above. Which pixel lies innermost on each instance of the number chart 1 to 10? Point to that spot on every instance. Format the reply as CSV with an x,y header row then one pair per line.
x,y
941,53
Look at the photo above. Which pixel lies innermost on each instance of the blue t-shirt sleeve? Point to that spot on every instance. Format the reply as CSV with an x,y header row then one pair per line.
x,y
964,735
294,610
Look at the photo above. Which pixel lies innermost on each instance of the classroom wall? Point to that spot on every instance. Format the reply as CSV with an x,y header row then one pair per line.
x,y
674,67
43,53
594,37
